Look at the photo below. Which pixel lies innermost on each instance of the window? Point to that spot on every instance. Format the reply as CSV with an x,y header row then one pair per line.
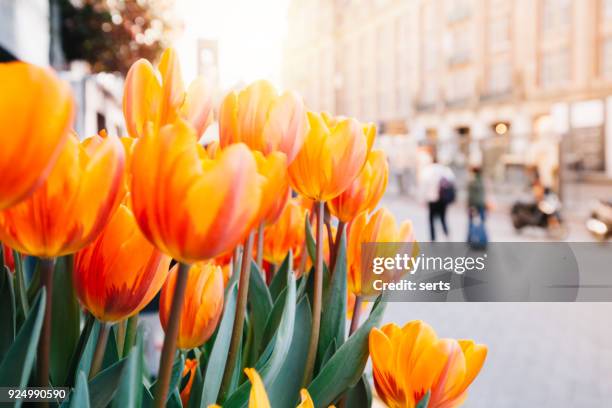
x,y
460,85
556,14
554,68
499,78
606,58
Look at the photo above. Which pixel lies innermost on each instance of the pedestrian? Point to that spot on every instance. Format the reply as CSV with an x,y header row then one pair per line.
x,y
477,235
437,186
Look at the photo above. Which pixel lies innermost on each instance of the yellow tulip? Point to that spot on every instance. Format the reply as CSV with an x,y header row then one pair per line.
x,y
380,227
333,154
263,120
258,398
410,361
160,97
365,191
36,112
275,188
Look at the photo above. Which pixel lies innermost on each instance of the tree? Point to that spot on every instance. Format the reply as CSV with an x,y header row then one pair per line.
x,y
111,34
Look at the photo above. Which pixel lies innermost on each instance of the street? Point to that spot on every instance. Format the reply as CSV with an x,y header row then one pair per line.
x,y
540,354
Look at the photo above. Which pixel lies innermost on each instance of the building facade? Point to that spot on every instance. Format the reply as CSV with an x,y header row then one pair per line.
x,y
456,72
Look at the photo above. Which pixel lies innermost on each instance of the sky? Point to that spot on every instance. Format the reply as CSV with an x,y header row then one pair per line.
x,y
250,36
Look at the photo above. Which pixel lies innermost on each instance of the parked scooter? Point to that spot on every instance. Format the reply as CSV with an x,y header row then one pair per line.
x,y
544,214
599,223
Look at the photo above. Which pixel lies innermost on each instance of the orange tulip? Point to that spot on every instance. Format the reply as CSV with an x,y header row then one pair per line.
x,y
334,152
410,361
191,207
365,191
191,365
203,304
263,120
120,272
275,188
287,233
381,227
73,205
147,99
36,112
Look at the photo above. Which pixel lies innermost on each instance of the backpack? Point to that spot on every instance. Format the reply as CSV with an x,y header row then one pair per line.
x,y
447,192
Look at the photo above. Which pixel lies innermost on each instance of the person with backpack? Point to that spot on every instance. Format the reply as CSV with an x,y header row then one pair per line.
x,y
438,189
477,235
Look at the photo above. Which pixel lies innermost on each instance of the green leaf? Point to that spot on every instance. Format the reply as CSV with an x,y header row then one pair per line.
x,y
80,396
279,281
17,363
218,355
175,376
195,399
331,350
274,318
424,402
174,400
66,321
310,241
90,347
103,387
285,388
282,342
359,395
7,311
334,306
111,353
260,305
80,348
345,368
129,393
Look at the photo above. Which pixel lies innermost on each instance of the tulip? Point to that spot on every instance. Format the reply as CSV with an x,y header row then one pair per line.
x,y
411,361
334,152
120,272
36,112
365,191
65,214
191,207
381,227
160,97
286,234
263,120
191,365
71,207
258,398
203,304
275,193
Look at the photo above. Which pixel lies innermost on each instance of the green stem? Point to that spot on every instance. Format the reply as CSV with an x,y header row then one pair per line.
x,y
236,259
44,343
20,278
336,249
356,315
260,245
317,298
169,348
130,334
120,337
98,356
237,330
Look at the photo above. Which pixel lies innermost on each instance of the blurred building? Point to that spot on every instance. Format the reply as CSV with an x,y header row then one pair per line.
x,y
24,29
459,72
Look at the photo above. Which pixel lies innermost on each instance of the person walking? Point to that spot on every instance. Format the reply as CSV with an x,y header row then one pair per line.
x,y
438,189
477,234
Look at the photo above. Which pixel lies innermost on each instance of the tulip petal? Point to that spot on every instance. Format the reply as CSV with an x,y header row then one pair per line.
x,y
142,98
173,90
258,397
36,112
197,108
